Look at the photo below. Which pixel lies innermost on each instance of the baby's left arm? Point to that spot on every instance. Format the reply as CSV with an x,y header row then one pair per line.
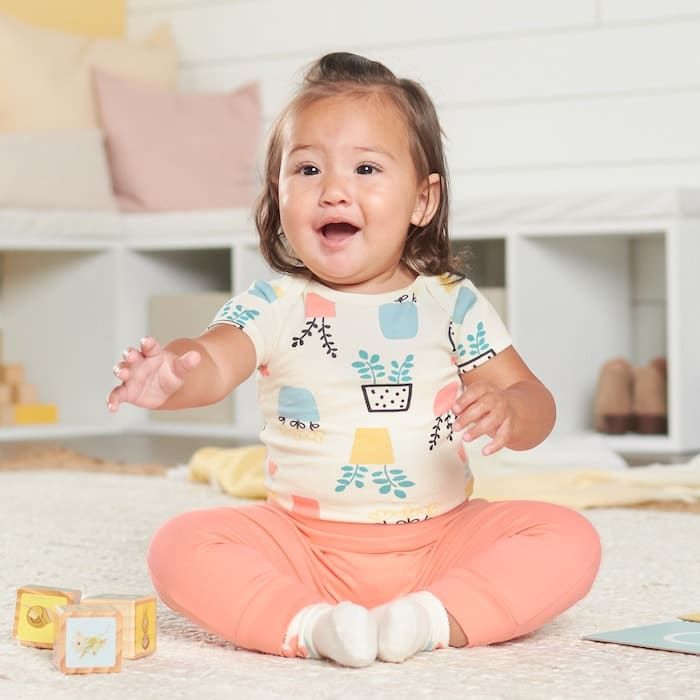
x,y
503,399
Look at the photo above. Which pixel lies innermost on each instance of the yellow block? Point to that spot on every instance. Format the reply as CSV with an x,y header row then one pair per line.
x,y
29,413
91,17
34,613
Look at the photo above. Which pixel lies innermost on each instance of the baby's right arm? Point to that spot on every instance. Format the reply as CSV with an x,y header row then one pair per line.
x,y
187,372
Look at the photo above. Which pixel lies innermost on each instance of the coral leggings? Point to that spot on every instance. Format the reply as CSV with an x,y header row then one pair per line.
x,y
501,569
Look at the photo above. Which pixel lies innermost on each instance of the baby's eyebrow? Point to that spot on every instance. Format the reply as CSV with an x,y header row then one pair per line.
x,y
375,149
363,150
301,147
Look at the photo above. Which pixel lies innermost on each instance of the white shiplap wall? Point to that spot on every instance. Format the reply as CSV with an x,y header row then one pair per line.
x,y
535,95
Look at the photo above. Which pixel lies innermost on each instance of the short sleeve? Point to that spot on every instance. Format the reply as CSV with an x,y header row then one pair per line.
x,y
477,331
256,312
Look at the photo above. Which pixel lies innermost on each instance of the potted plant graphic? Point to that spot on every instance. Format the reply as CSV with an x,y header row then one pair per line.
x,y
394,394
372,446
237,315
479,349
399,319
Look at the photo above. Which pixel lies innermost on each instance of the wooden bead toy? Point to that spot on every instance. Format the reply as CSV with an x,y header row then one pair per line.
x,y
34,613
138,619
88,639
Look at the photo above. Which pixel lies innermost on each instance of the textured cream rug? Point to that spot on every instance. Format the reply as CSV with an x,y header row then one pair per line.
x,y
90,531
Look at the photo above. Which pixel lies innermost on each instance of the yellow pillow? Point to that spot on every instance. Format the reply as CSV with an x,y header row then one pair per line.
x,y
45,74
101,18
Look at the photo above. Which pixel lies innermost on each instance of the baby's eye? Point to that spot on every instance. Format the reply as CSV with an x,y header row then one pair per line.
x,y
366,169
309,170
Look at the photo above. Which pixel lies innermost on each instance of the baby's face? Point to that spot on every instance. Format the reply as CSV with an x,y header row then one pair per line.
x,y
348,192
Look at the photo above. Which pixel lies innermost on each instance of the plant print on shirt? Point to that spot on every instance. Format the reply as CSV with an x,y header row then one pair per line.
x,y
444,417
330,456
298,412
372,446
475,350
399,319
317,311
393,395
239,315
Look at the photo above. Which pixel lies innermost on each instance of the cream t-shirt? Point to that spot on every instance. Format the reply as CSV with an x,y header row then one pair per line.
x,y
356,393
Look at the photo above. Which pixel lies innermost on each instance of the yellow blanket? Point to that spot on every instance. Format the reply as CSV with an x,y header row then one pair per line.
x,y
240,472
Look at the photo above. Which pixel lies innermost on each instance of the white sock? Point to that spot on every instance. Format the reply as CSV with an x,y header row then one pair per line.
x,y
345,633
416,622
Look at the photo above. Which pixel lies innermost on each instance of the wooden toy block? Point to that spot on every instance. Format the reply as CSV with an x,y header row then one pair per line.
x,y
5,393
24,393
12,374
138,621
32,413
88,639
34,613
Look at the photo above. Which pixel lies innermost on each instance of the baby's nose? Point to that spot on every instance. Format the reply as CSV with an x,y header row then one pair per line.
x,y
336,190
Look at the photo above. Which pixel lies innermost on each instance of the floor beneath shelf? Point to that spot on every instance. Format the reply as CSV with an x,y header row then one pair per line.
x,y
640,460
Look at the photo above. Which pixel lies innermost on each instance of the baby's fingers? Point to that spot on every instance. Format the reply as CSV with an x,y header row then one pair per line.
x,y
149,346
114,398
500,439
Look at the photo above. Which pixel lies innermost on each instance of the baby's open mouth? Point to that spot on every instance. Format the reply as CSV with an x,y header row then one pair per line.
x,y
338,231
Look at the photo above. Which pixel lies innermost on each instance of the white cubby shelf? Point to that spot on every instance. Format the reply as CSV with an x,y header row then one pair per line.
x,y
587,277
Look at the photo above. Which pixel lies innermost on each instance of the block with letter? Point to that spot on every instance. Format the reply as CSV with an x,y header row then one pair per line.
x,y
88,639
34,613
138,619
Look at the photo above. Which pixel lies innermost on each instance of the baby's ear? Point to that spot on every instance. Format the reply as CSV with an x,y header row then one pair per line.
x,y
427,200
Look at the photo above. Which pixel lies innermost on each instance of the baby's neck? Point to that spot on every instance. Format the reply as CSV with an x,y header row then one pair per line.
x,y
401,278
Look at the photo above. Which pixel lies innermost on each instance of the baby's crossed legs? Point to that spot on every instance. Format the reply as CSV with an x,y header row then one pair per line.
x,y
248,574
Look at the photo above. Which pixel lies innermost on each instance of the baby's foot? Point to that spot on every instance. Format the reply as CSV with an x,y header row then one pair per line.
x,y
346,633
416,622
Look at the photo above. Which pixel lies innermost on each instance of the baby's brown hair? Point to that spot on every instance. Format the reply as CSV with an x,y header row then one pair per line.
x,y
427,250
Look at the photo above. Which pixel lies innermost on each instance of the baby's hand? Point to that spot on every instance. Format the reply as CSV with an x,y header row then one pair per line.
x,y
149,375
486,409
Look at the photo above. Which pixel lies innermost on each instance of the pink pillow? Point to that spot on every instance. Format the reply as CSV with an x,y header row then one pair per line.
x,y
170,151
